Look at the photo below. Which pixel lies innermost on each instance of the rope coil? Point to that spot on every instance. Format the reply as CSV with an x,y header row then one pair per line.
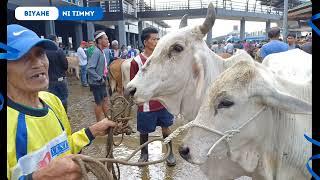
x,y
97,165
103,168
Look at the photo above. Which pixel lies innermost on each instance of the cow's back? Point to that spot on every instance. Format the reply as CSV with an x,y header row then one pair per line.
x,y
294,65
116,75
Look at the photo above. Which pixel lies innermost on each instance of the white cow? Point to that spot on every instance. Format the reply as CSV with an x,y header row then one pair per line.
x,y
181,68
295,65
125,71
263,117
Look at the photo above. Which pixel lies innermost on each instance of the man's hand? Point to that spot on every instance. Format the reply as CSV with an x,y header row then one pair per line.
x,y
60,168
100,128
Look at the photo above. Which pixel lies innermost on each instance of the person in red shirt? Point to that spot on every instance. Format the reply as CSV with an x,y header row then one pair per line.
x,y
152,113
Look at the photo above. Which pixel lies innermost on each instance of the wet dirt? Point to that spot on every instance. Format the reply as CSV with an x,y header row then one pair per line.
x,y
81,115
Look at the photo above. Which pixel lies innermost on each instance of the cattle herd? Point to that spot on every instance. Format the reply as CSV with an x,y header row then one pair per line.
x,y
262,109
267,105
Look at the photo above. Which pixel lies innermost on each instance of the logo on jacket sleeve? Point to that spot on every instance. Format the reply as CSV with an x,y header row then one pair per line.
x,y
59,148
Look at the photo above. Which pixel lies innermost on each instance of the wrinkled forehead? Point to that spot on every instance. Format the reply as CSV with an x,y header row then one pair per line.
x,y
181,35
235,78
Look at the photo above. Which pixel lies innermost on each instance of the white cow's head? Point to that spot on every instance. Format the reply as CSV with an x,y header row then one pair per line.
x,y
175,62
237,95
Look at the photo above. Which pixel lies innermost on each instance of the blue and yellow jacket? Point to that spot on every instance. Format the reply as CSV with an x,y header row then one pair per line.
x,y
36,136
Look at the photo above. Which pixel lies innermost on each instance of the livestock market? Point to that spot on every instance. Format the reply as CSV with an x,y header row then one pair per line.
x,y
159,90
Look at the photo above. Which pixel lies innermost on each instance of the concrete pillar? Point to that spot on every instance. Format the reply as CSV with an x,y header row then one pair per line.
x,y
90,30
50,28
285,21
134,39
242,28
209,37
140,30
121,33
268,26
79,37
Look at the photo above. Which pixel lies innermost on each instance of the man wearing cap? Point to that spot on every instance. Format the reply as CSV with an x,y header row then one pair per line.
x,y
58,84
97,74
39,139
83,63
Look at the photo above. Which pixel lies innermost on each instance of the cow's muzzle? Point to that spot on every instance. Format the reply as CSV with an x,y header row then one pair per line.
x,y
130,91
184,152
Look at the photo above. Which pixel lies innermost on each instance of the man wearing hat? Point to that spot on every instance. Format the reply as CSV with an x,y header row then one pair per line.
x,y
97,74
39,138
83,63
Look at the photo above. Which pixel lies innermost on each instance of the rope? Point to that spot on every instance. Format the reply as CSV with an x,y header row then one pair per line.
x,y
104,168
97,168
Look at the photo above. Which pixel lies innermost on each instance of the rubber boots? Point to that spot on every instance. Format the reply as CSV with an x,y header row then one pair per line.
x,y
171,161
144,151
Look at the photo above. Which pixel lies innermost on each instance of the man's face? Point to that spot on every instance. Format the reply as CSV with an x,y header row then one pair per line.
x,y
30,73
291,40
115,46
91,43
152,41
104,41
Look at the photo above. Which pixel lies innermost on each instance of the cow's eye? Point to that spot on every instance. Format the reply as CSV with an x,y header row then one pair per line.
x,y
225,103
178,48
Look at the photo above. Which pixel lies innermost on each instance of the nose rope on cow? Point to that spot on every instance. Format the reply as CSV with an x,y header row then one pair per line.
x,y
226,136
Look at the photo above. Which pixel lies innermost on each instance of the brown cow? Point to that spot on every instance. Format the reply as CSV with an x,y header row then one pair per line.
x,y
115,76
119,74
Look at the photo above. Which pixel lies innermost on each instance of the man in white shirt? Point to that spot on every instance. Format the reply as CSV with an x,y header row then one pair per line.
x,y
229,48
83,63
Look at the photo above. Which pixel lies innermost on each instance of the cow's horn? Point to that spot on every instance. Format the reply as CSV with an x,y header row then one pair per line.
x,y
184,21
209,21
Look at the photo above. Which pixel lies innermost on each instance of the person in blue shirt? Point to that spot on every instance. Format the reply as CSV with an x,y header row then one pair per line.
x,y
131,52
275,45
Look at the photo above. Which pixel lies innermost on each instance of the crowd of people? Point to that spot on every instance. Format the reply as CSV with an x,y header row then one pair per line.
x,y
38,96
260,49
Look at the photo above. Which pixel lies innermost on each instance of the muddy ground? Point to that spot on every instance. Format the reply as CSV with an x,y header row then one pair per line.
x,y
80,112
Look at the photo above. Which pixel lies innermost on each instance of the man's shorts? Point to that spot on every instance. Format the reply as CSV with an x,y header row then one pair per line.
x,y
99,93
148,121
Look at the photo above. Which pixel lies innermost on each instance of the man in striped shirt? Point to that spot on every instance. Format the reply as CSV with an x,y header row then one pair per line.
x,y
152,113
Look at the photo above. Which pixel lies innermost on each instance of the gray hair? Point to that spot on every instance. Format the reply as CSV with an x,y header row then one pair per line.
x,y
114,42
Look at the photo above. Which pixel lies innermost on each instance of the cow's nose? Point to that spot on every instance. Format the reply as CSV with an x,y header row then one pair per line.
x,y
184,152
130,91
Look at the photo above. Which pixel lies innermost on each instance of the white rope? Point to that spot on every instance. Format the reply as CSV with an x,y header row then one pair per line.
x,y
224,136
177,132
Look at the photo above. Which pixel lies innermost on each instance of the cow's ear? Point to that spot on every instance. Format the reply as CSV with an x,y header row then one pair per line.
x,y
286,102
198,74
271,90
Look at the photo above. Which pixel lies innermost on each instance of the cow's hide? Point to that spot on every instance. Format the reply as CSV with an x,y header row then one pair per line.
x,y
73,65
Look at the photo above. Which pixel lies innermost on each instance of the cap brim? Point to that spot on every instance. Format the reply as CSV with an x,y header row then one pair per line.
x,y
24,45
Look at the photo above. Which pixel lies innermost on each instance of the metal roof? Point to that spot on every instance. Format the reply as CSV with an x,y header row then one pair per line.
x,y
279,3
